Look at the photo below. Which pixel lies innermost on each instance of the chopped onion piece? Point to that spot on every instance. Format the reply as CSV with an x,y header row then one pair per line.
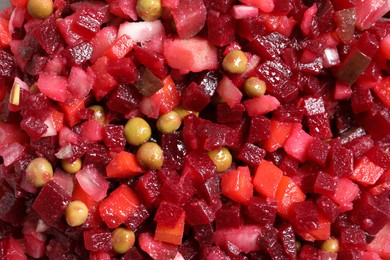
x,y
331,57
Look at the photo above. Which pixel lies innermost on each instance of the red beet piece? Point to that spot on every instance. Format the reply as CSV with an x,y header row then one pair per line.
x,y
189,17
221,28
360,145
132,254
12,209
371,213
96,154
34,127
378,156
274,73
177,191
189,249
327,208
309,252
113,137
251,154
156,249
11,248
306,215
204,234
28,47
168,213
229,216
124,99
222,6
97,240
259,129
88,21
36,65
352,254
289,113
210,190
225,114
47,35
194,97
137,217
153,60
51,202
271,46
325,13
78,54
325,183
148,188
352,238
123,70
268,240
198,212
250,28
7,65
214,252
287,238
262,210
361,100
174,150
319,126
198,167
289,165
341,161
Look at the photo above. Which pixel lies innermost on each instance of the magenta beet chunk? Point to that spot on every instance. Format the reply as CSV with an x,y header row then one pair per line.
x,y
213,252
368,44
174,150
371,213
12,209
204,234
210,190
327,208
10,248
287,238
34,127
309,252
352,238
343,116
132,254
274,73
361,100
137,217
156,249
198,167
341,161
221,28
148,188
28,47
319,126
113,137
198,212
350,254
360,145
325,12
194,97
97,240
250,28
229,216
271,46
153,60
225,114
177,191
286,92
36,65
325,183
189,249
222,6
96,154
268,240
123,70
307,175
259,129
88,21
124,99
78,54
289,165
232,251
46,146
7,65
378,124
35,105
251,154
306,215
51,202
289,113
380,157
282,7
168,213
47,35
352,134
262,210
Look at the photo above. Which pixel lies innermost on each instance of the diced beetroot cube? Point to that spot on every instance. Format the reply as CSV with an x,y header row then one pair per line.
x,y
325,184
289,165
88,21
251,154
219,6
319,126
309,252
379,244
221,28
270,46
174,150
198,167
371,213
378,156
213,252
198,212
360,145
204,234
113,137
368,12
80,82
268,240
210,190
178,191
156,249
97,240
352,238
189,17
99,256
249,28
289,113
194,98
133,253
12,209
123,70
92,131
225,114
153,60
327,208
346,192
124,99
194,54
7,66
104,82
12,249
118,206
78,54
137,217
287,237
259,129
168,214
34,241
70,36
262,210
245,237
189,249
102,41
92,182
274,73
341,161
46,83
47,35
11,153
361,100
306,215
229,216
148,188
124,9
51,202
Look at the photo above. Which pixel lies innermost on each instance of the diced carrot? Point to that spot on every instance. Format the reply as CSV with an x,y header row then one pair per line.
x,y
19,3
320,233
58,119
279,132
366,172
70,109
237,185
120,47
267,178
287,194
5,36
123,165
171,235
170,95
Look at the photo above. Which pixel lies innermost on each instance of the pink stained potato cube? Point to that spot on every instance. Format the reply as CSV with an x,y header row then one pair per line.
x,y
261,105
229,92
298,143
346,192
53,86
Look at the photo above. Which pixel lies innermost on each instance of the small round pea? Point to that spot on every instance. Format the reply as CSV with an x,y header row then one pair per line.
x,y
149,10
39,172
331,245
235,62
122,240
150,156
76,213
222,158
254,87
99,114
72,167
137,131
183,112
169,122
40,9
